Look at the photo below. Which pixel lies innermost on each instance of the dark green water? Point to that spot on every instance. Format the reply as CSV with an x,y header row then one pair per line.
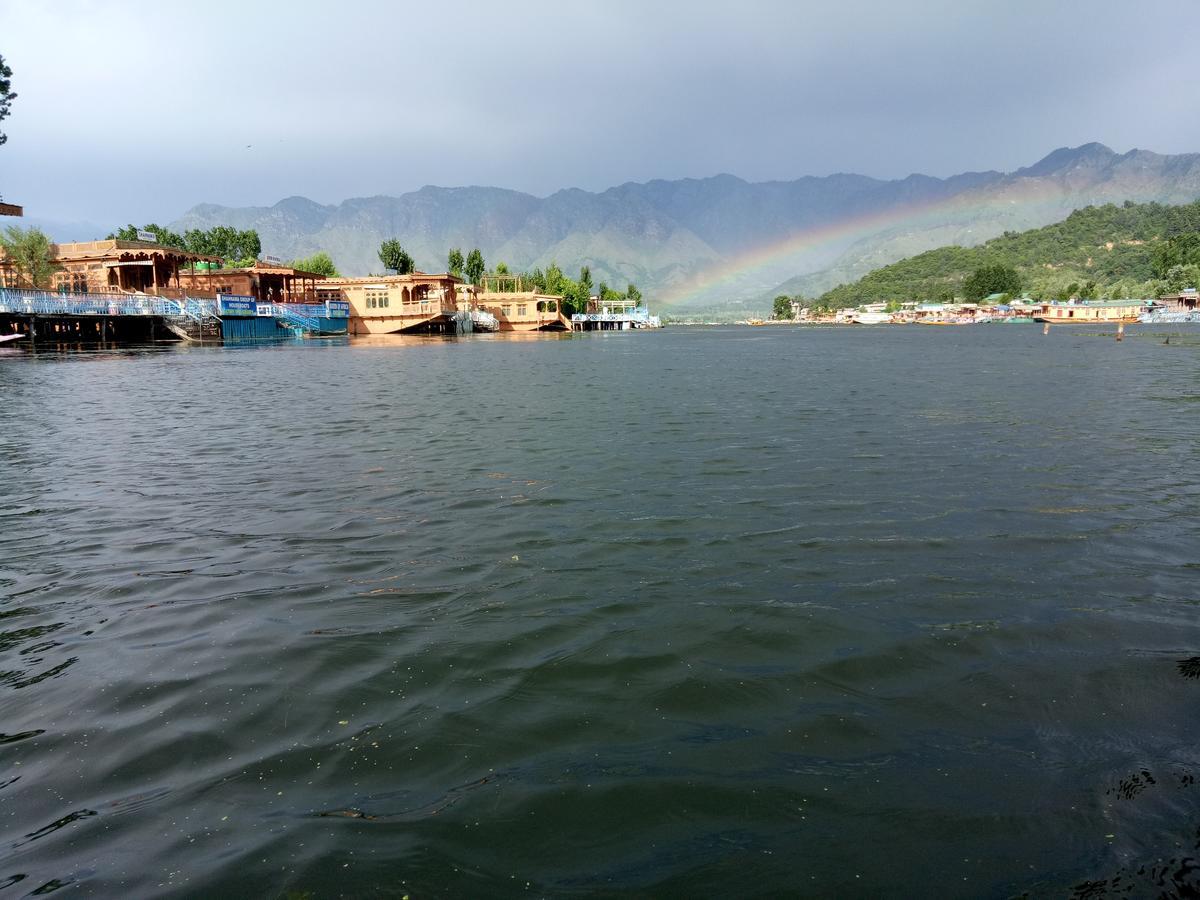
x,y
693,613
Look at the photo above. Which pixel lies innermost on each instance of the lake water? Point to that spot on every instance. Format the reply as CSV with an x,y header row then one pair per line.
x,y
703,612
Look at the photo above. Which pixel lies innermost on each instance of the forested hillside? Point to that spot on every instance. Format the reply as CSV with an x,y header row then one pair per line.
x,y
1133,250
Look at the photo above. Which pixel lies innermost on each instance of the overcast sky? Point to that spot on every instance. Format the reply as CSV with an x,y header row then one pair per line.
x,y
137,111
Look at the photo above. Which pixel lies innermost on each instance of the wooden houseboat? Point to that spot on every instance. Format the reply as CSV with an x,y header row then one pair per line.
x,y
1091,312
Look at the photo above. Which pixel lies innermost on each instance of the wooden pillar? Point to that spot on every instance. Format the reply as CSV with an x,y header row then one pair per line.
x,y
154,273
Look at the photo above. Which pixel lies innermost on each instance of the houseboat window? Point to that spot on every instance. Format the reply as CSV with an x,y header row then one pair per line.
x,y
377,299
521,307
505,309
541,306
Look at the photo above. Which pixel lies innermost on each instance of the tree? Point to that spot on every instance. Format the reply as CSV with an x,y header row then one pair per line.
x,y
555,280
501,268
997,279
319,263
32,253
454,263
163,236
1179,250
585,280
395,257
608,295
475,266
6,95
632,293
236,248
1179,277
782,308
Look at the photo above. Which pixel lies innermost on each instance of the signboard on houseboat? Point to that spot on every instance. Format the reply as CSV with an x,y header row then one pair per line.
x,y
235,306
337,309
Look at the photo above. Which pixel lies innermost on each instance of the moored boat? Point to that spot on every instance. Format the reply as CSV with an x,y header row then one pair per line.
x,y
872,318
1092,313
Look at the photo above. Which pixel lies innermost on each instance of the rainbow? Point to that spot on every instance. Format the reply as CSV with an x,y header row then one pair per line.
x,y
943,211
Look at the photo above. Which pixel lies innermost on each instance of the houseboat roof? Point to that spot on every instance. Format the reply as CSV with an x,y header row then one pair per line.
x,y
115,248
392,279
261,268
1102,304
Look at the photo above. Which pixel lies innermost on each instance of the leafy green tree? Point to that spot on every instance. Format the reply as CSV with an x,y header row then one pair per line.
x,y
782,308
6,95
555,279
632,293
32,252
585,280
1180,277
608,295
1179,250
475,266
501,268
455,263
235,248
395,257
319,263
250,245
163,236
996,279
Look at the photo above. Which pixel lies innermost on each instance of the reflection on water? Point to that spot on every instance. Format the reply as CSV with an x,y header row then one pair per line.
x,y
827,612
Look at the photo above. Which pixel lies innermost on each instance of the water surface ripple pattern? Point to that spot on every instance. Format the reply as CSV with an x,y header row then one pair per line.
x,y
701,612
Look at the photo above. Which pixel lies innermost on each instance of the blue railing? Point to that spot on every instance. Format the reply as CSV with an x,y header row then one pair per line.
x,y
196,309
22,301
45,303
291,315
26,302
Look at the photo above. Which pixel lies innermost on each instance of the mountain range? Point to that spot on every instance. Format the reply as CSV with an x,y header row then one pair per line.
x,y
704,243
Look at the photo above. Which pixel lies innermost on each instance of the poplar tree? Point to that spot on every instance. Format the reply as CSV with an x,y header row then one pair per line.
x,y
474,267
395,257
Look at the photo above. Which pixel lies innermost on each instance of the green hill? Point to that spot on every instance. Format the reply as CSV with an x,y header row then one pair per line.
x,y
1133,250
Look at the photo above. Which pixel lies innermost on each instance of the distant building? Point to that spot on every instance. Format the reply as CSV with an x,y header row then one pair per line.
x,y
11,209
1185,301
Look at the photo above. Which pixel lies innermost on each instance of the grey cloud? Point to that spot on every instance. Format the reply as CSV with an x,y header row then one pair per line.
x,y
244,105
